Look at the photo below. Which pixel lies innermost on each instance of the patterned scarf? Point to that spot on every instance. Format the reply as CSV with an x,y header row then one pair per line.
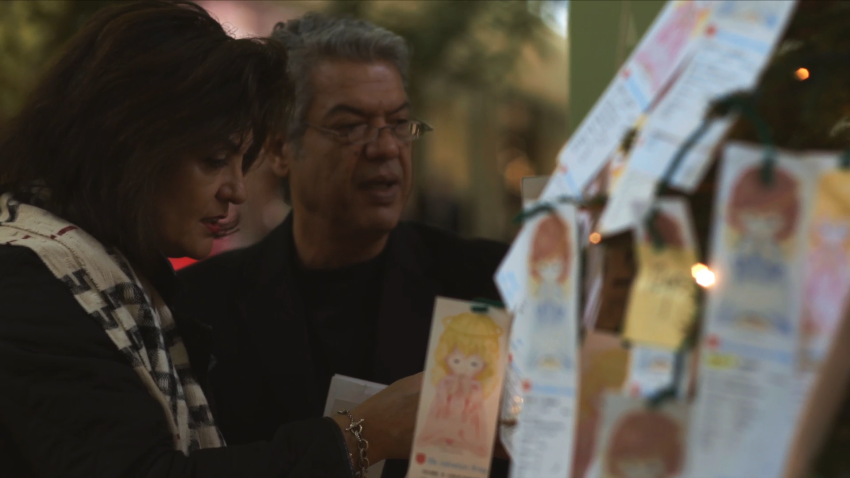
x,y
134,316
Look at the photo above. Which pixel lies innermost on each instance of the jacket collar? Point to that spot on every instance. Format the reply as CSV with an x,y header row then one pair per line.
x,y
277,318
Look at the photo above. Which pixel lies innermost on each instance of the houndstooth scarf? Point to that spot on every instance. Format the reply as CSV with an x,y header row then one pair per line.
x,y
134,317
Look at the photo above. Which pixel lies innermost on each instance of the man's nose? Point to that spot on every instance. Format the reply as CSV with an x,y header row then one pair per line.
x,y
384,147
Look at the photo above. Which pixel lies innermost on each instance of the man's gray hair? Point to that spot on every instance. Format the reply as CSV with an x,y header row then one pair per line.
x,y
315,37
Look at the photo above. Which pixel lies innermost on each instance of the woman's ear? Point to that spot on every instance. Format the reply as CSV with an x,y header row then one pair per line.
x,y
280,156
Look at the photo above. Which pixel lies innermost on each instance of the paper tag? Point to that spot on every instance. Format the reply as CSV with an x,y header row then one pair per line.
x,y
662,301
827,281
604,363
753,314
541,385
619,215
531,187
635,440
459,403
759,240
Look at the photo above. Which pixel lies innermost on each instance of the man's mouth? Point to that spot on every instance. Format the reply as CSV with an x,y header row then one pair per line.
x,y
379,184
381,191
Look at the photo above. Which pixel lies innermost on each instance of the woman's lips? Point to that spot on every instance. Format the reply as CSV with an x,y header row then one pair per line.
x,y
212,225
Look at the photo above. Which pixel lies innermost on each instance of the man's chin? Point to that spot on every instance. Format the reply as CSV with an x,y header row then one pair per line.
x,y
380,223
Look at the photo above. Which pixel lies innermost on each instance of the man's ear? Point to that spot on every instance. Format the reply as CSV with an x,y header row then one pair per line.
x,y
281,155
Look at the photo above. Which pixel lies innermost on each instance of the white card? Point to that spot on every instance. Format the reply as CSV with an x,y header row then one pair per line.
x,y
459,404
345,393
650,371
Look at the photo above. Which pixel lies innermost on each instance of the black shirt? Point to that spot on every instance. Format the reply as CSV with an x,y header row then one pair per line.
x,y
341,307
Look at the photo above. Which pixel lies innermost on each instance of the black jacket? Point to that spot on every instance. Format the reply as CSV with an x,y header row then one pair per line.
x,y
260,334
71,406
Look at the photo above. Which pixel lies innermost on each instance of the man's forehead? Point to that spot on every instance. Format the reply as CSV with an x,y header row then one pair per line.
x,y
373,87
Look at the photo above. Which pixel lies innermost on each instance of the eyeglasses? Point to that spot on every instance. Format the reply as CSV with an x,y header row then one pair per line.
x,y
363,133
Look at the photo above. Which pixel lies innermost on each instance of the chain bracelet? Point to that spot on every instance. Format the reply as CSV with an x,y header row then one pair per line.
x,y
356,429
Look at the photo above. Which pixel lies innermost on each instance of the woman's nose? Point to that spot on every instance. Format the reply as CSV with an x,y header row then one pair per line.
x,y
233,191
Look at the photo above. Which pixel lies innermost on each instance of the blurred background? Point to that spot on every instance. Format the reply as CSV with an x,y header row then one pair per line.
x,y
503,83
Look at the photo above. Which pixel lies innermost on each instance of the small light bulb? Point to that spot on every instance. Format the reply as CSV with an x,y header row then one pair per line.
x,y
595,238
703,275
802,74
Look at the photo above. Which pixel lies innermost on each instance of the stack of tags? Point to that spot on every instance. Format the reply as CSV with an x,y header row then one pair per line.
x,y
539,283
780,240
729,55
459,403
633,91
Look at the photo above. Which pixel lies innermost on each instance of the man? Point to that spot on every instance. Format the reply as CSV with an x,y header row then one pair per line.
x,y
341,287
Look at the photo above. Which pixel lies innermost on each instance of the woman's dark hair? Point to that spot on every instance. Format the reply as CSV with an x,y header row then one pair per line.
x,y
140,86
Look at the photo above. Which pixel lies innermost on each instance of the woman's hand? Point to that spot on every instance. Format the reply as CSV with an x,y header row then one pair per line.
x,y
389,419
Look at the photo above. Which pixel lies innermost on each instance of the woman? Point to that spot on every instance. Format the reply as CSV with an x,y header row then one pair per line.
x,y
129,151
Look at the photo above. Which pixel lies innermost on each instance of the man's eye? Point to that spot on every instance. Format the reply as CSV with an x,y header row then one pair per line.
x,y
349,126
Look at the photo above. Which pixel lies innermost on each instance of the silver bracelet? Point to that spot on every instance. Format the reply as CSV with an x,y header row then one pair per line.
x,y
356,429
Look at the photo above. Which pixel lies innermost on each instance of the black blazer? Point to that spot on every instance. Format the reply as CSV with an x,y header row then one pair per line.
x,y
71,405
262,374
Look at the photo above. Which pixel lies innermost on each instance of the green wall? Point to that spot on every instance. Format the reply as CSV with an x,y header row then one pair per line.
x,y
602,34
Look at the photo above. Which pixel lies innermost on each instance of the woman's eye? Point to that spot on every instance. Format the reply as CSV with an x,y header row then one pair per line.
x,y
216,162
474,364
456,361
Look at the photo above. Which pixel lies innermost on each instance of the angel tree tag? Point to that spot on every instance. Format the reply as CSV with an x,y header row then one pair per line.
x,y
540,393
751,333
662,302
459,403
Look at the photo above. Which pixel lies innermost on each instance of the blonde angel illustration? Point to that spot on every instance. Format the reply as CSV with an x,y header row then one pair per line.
x,y
827,283
553,340
467,358
763,219
645,444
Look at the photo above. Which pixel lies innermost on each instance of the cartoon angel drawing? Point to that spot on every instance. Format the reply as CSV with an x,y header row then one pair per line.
x,y
827,282
645,444
763,219
467,357
553,340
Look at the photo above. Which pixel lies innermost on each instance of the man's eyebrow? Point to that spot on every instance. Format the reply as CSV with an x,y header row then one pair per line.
x,y
343,108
